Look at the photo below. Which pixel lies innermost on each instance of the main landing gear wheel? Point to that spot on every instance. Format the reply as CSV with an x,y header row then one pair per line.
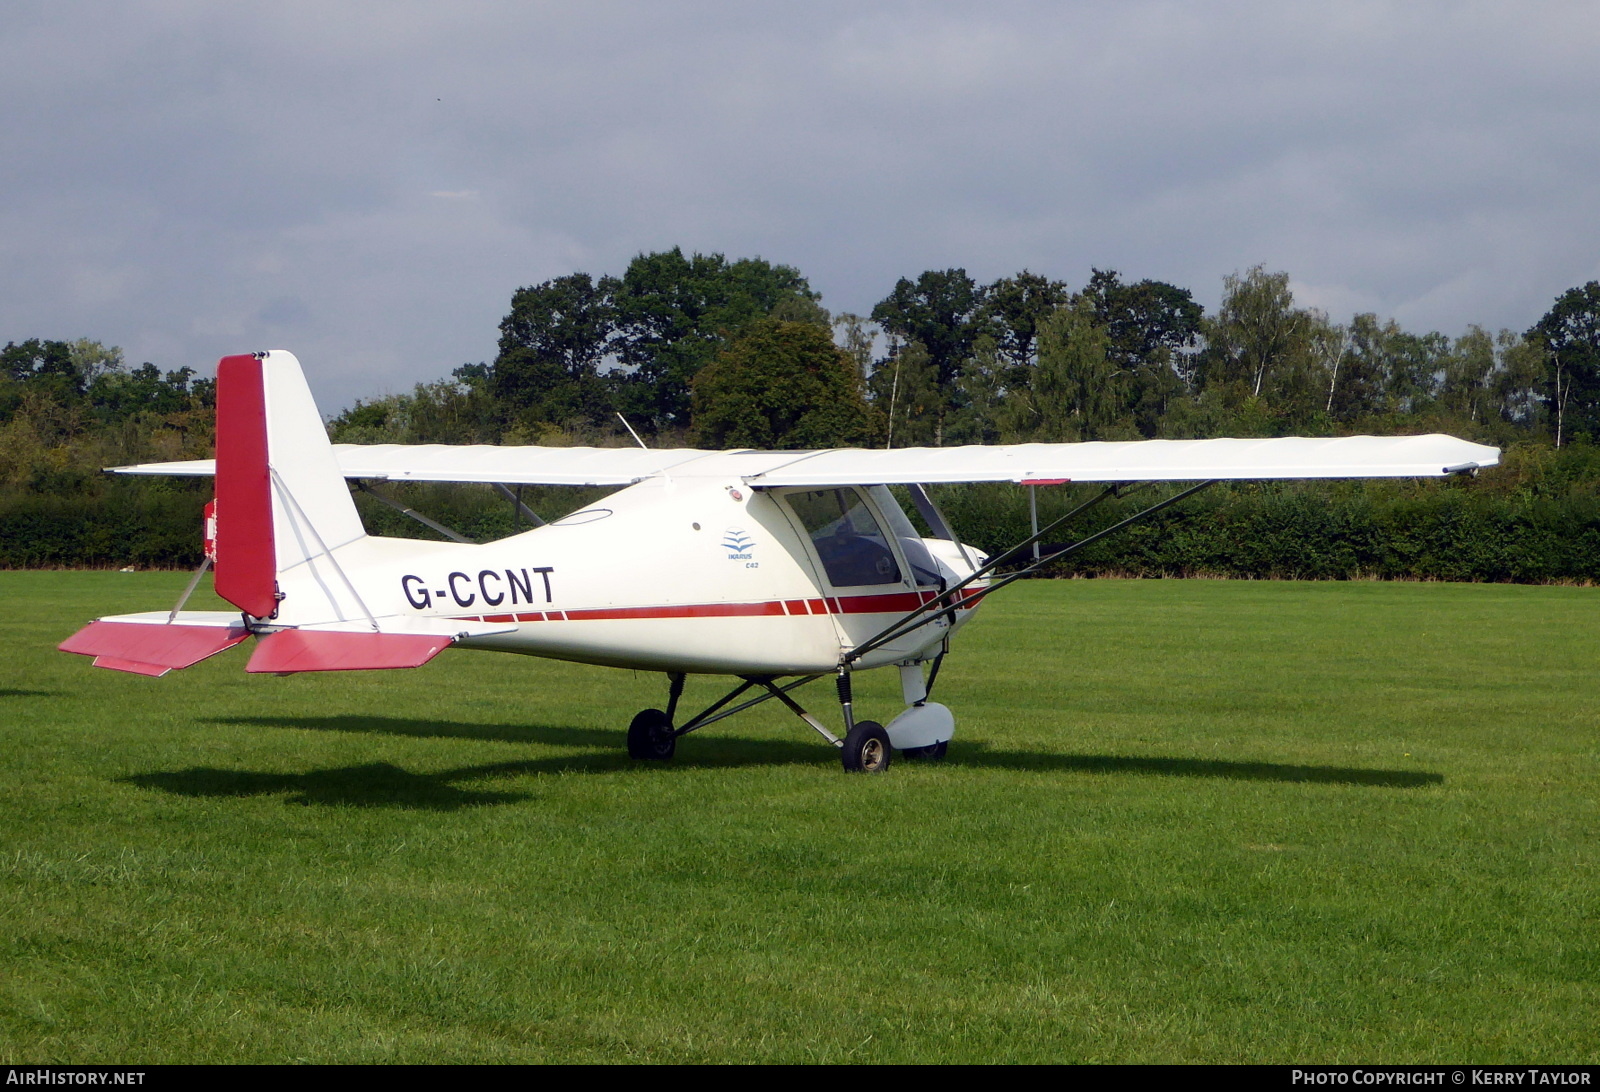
x,y
931,753
866,748
650,736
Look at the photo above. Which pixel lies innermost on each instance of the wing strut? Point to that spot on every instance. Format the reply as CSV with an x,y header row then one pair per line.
x,y
294,509
950,600
194,582
412,512
516,499
711,715
936,522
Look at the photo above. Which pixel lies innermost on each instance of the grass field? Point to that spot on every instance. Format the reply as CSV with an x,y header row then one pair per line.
x,y
1181,821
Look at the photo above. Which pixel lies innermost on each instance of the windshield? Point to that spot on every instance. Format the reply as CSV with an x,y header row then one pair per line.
x,y
912,548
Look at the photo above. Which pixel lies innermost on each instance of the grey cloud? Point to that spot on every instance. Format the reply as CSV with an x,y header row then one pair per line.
x,y
180,175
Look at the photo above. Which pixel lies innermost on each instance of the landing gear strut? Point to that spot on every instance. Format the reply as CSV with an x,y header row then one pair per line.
x,y
865,748
651,735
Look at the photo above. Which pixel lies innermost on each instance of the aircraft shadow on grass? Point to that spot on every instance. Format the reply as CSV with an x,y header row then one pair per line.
x,y
386,785
375,785
610,744
1201,767
13,692
383,784
436,729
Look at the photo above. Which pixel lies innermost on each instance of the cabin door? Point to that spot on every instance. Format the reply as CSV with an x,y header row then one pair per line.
x,y
871,565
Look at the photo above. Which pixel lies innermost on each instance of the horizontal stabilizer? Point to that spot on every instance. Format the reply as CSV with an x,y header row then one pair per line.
x,y
149,648
294,650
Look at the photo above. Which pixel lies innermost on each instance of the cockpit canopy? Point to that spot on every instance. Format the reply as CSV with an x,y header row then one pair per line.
x,y
850,540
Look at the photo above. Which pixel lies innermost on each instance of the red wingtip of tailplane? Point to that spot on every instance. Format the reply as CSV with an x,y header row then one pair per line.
x,y
147,649
246,556
328,650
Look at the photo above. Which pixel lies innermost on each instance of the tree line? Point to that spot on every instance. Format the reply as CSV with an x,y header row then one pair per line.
x,y
698,349
701,350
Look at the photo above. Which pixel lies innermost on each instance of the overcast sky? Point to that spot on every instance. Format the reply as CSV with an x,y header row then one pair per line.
x,y
367,184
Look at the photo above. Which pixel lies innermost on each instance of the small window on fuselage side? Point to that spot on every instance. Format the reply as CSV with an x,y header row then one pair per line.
x,y
848,540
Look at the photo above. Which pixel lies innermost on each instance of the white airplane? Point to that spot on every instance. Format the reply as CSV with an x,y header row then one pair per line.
x,y
777,568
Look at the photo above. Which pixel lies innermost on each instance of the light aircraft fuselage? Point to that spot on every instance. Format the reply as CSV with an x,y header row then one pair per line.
x,y
695,573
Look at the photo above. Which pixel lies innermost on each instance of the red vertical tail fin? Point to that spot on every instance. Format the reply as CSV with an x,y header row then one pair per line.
x,y
246,557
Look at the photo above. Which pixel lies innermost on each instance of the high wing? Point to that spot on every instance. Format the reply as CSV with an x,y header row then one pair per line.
x,y
476,463
1098,461
1141,460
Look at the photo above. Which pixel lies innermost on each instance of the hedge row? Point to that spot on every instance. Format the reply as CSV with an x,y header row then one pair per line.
x,y
1312,532
144,524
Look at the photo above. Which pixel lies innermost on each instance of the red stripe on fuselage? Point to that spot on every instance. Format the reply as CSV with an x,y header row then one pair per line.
x,y
246,561
698,610
891,603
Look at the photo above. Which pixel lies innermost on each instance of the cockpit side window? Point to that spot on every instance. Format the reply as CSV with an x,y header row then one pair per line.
x,y
848,540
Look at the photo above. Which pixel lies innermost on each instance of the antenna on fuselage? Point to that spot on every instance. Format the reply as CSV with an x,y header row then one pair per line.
x,y
641,443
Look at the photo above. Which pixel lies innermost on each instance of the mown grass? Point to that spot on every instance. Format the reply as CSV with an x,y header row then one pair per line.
x,y
1182,821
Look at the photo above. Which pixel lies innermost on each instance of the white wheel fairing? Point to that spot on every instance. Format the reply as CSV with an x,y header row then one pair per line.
x,y
922,726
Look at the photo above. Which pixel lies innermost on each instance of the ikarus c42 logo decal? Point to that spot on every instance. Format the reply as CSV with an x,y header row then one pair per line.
x,y
739,546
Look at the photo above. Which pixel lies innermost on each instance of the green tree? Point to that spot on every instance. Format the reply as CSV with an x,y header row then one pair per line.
x,y
1359,379
986,382
856,339
905,388
781,385
1469,377
1078,391
1151,329
119,395
1570,334
1260,362
46,368
674,314
552,345
937,311
1521,366
458,410
1148,322
1010,311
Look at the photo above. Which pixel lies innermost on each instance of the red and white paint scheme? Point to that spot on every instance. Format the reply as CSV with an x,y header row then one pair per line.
x,y
765,566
